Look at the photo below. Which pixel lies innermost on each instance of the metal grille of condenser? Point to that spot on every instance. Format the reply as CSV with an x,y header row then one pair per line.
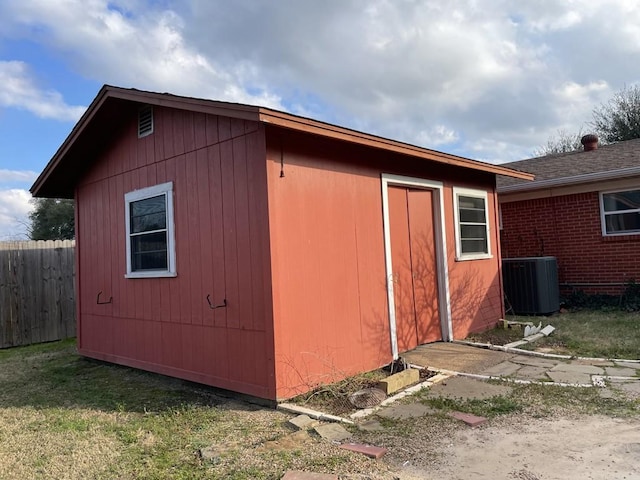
x,y
531,285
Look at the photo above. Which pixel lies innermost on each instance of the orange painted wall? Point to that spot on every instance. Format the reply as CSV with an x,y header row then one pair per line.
x,y
327,254
222,249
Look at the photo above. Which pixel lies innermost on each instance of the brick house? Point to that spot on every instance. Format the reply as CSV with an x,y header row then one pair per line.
x,y
582,208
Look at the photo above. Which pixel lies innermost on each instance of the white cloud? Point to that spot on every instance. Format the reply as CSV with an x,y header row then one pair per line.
x,y
7,176
19,90
14,211
485,79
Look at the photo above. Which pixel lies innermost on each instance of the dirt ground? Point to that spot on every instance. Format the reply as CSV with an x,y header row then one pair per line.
x,y
593,447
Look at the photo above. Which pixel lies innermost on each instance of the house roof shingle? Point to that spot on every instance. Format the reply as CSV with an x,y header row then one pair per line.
x,y
618,159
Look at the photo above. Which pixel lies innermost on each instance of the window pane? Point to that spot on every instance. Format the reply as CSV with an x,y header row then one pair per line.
x,y
470,202
148,214
149,261
473,231
629,200
623,222
473,216
149,251
474,246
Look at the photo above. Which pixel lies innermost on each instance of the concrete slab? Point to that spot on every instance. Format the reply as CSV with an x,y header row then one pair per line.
x,y
467,388
332,432
532,373
298,475
371,426
303,422
598,362
620,372
570,377
573,368
633,365
454,356
402,412
503,369
632,388
533,361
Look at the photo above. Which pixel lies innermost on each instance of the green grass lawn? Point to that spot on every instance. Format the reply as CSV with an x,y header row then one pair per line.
x,y
608,334
64,416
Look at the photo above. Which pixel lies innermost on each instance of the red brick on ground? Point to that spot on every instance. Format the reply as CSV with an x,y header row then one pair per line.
x,y
297,475
370,451
469,419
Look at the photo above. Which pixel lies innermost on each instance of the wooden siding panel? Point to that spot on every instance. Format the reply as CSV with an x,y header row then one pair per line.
x,y
221,225
230,242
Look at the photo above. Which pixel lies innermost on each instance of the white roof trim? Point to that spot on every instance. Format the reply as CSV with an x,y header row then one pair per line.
x,y
584,178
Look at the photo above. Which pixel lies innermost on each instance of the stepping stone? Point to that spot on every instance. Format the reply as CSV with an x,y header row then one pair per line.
x,y
620,372
532,373
633,365
570,377
467,388
534,361
401,412
468,418
303,422
371,426
297,475
370,451
573,368
503,369
332,432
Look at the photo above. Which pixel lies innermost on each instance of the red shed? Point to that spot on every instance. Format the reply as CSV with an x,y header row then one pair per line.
x,y
266,253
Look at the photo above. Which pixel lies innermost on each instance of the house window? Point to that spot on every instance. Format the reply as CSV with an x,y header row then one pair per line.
x,y
472,224
620,212
150,235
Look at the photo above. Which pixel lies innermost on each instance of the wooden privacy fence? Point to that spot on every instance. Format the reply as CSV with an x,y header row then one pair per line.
x,y
37,299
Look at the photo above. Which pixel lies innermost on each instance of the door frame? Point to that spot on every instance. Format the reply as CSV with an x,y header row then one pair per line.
x,y
437,188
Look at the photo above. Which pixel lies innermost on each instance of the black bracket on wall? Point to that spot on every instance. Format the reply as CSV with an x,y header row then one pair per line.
x,y
213,307
103,303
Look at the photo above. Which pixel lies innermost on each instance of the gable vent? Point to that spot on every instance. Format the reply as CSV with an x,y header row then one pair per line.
x,y
145,121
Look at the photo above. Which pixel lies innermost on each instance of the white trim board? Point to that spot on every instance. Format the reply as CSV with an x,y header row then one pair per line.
x,y
444,299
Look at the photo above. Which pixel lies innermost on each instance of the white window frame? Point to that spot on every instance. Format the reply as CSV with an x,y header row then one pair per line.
x,y
165,189
469,192
603,214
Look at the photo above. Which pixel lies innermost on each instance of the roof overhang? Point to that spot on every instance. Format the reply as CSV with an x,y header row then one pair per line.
x,y
59,177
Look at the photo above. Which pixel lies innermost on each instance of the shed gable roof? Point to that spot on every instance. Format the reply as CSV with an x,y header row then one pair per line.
x,y
616,160
60,175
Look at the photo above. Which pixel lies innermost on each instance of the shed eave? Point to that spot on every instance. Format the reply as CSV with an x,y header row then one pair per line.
x,y
294,122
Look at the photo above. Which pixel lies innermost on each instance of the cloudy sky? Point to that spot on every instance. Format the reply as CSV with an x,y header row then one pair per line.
x,y
488,80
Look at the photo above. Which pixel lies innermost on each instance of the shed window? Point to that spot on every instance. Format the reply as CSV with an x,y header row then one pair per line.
x,y
150,235
620,212
472,224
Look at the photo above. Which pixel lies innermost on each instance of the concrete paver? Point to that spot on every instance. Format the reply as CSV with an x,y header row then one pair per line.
x,y
630,387
298,475
468,388
503,369
532,373
572,368
635,366
620,372
404,411
569,377
534,361
332,432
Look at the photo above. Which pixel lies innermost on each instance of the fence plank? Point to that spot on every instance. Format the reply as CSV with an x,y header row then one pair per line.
x,y
37,296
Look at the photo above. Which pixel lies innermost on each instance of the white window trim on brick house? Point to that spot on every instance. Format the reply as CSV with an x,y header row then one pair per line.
x,y
604,214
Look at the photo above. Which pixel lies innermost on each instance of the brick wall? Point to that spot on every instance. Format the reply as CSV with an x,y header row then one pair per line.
x,y
568,228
